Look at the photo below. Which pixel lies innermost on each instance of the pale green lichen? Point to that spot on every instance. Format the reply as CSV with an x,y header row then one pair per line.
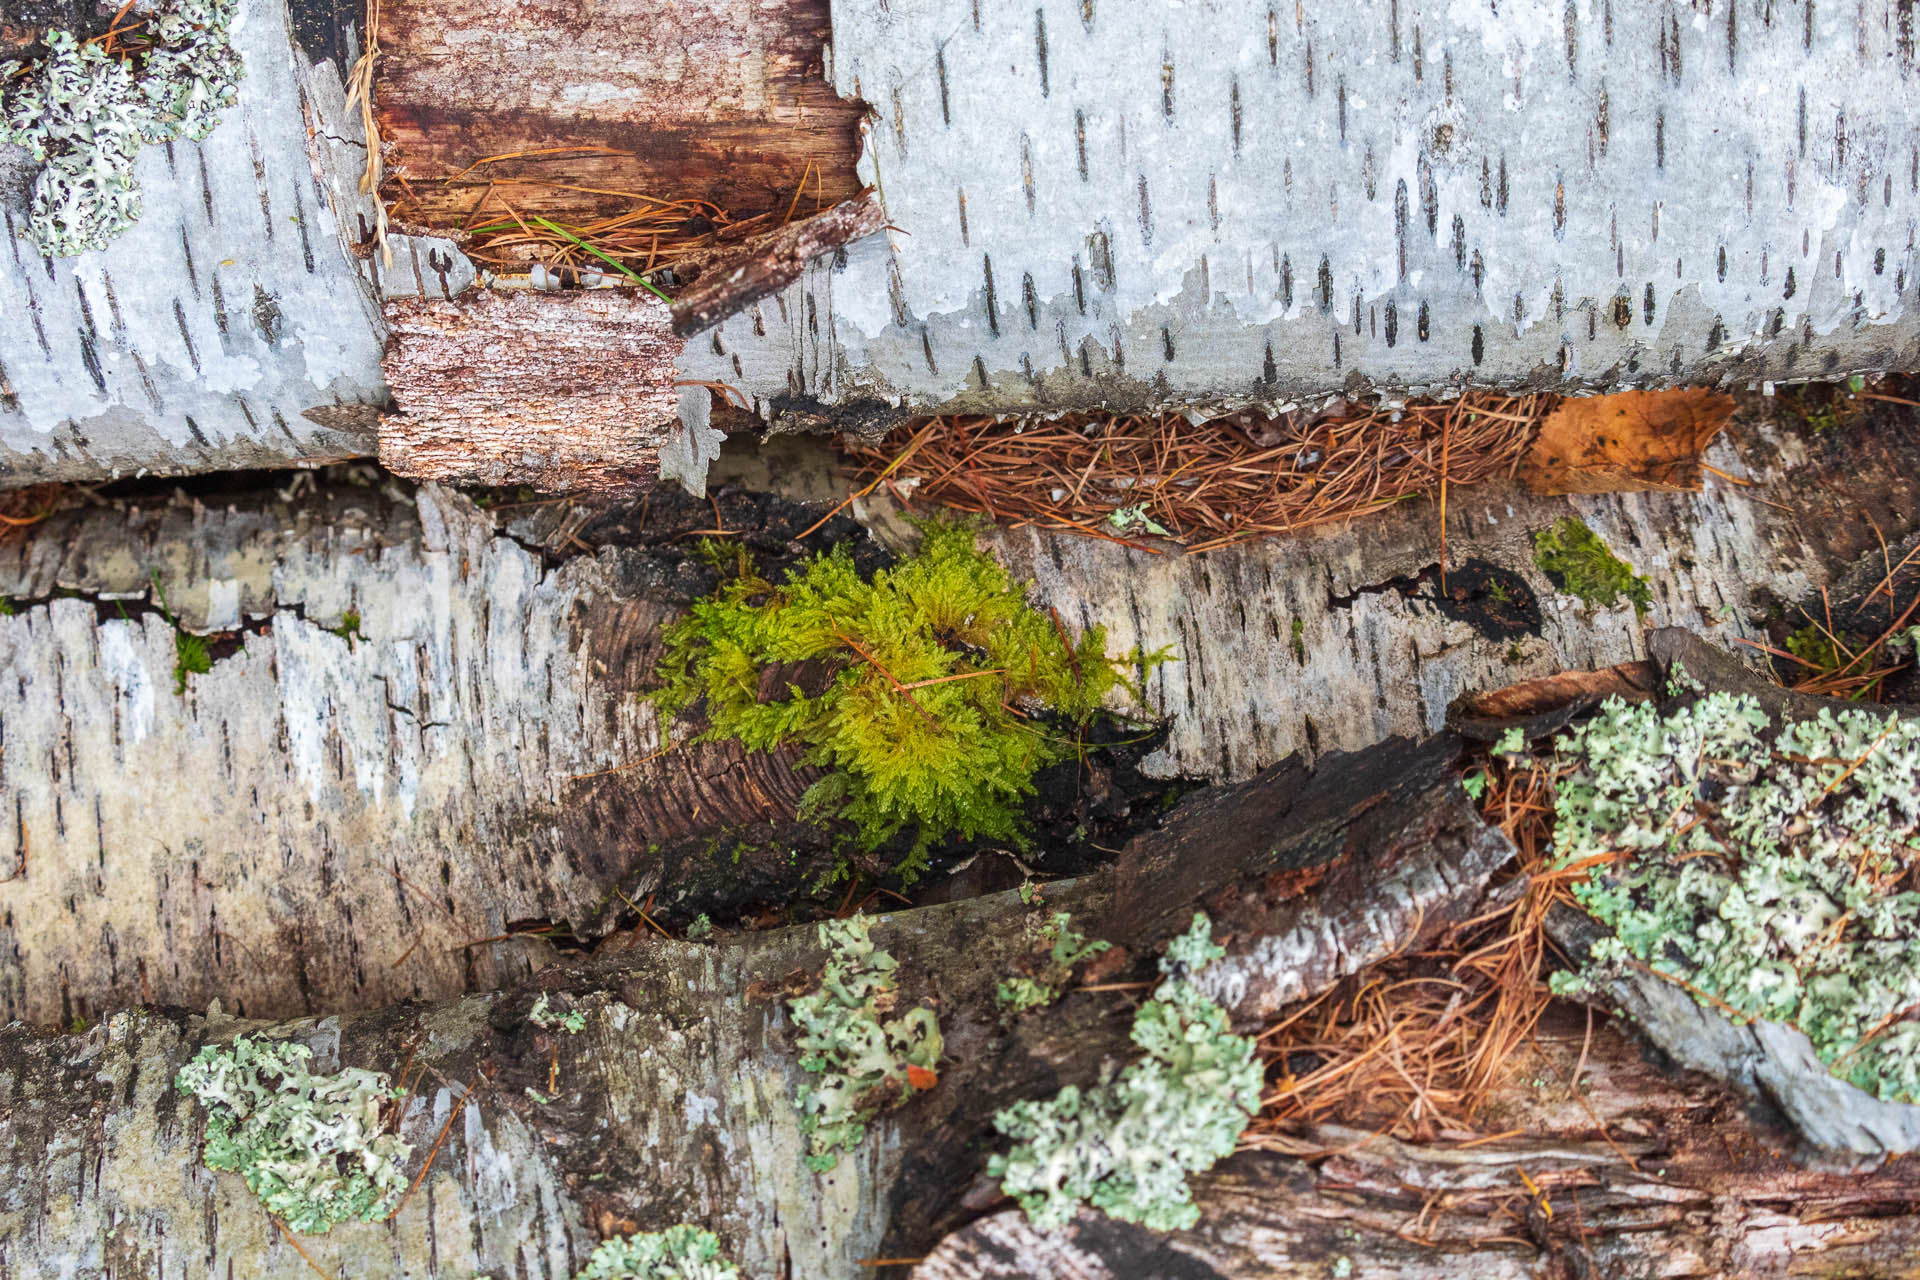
x,y
83,114
1126,1145
1064,947
861,1063
544,1015
678,1253
310,1146
1763,870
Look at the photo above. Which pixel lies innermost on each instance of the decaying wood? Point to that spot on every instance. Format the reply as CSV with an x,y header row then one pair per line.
x,y
1337,638
719,100
333,814
729,282
346,774
674,1104
1671,1181
563,391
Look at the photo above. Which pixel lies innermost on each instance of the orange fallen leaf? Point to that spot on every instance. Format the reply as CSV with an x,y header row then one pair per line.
x,y
1632,440
921,1078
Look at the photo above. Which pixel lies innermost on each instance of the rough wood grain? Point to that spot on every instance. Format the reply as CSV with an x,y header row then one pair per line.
x,y
731,281
324,821
718,100
1337,638
196,340
491,675
565,391
675,1105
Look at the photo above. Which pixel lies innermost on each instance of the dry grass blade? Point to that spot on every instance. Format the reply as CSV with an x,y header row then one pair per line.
x,y
1244,475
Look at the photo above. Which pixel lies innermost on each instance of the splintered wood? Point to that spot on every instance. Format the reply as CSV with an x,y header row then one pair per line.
x,y
1244,475
561,391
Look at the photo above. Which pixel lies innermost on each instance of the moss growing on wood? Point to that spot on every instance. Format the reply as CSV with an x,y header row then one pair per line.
x,y
1766,872
929,692
1062,947
310,1146
1580,564
84,113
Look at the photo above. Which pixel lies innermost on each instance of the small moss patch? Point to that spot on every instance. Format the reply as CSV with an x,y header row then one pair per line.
x,y
1059,947
1577,562
932,692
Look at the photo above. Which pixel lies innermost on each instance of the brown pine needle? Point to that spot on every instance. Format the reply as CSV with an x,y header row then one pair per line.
x,y
299,1249
432,1151
1225,480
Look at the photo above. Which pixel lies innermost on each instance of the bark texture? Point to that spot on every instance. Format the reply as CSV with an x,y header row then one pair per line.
x,y
359,809
562,391
674,1104
725,101
733,280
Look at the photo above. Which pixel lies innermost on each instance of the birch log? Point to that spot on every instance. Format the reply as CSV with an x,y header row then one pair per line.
x,y
360,809
1087,207
674,1104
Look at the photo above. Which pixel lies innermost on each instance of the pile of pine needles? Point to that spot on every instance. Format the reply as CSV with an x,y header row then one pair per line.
x,y
1414,1047
1208,484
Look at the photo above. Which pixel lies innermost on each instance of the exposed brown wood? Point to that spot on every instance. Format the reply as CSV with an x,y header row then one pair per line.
x,y
568,391
719,100
731,281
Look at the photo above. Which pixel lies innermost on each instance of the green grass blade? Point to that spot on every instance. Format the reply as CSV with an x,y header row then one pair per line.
x,y
621,267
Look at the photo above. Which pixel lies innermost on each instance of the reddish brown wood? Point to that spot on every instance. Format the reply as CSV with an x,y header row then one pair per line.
x,y
718,100
561,391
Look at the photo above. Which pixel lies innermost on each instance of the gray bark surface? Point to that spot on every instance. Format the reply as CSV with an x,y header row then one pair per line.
x,y
323,824
1115,206
674,1104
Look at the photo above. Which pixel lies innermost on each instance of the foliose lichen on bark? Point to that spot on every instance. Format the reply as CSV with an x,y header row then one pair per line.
x,y
83,114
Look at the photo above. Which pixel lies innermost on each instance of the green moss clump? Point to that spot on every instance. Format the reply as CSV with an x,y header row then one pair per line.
x,y
678,1253
1580,564
1762,871
937,674
311,1147
860,1063
1126,1147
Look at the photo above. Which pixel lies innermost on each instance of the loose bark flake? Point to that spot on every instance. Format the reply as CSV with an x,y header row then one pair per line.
x,y
561,391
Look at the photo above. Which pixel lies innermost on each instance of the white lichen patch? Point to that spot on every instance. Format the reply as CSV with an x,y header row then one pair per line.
x,y
678,1253
1126,1146
1770,873
1065,947
861,1064
84,113
310,1146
